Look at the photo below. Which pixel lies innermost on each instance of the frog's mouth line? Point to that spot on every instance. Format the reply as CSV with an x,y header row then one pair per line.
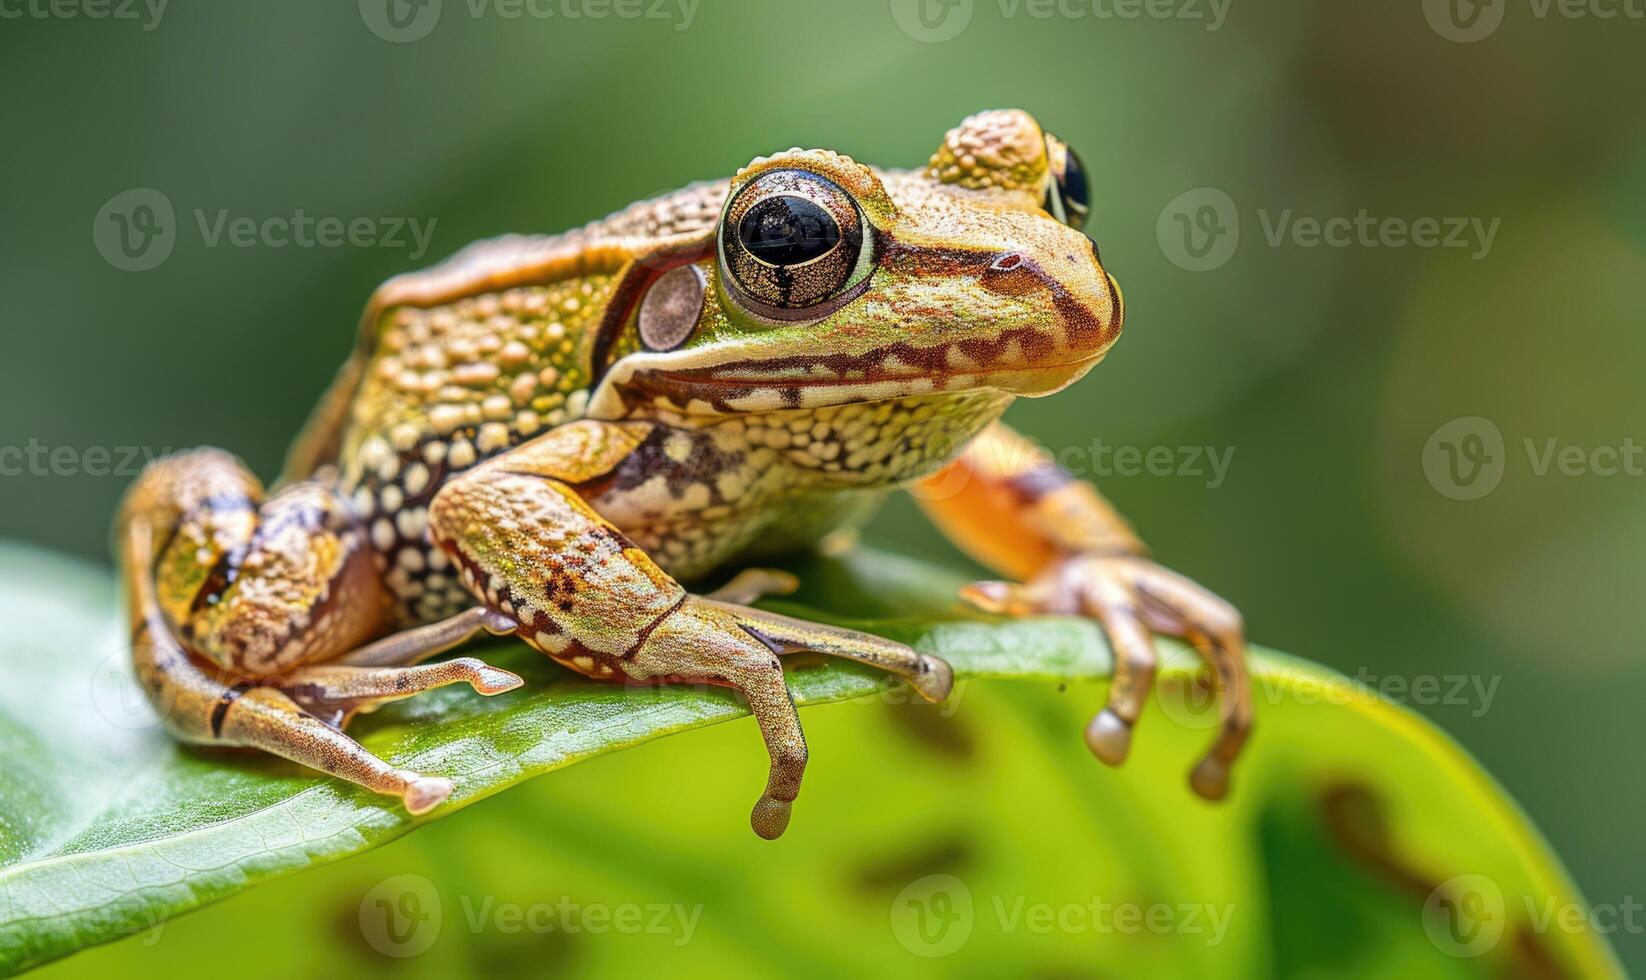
x,y
706,391
728,381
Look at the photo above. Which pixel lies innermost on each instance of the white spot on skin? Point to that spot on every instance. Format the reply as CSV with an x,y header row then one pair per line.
x,y
695,497
412,522
404,437
493,436
382,534
416,479
446,418
552,642
373,453
389,468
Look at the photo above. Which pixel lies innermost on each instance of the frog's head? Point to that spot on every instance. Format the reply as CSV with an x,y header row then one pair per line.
x,y
826,282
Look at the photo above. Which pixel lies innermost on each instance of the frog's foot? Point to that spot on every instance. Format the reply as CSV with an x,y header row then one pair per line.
x,y
1131,596
704,640
930,676
753,584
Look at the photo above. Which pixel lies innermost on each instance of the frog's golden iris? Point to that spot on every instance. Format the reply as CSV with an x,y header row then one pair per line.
x,y
791,241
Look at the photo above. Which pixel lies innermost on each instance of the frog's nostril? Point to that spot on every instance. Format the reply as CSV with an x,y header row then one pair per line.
x,y
1097,253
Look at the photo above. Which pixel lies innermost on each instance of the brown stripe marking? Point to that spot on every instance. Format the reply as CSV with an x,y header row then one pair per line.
x,y
224,703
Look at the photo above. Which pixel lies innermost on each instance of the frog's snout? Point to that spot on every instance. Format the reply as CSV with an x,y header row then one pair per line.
x,y
1077,304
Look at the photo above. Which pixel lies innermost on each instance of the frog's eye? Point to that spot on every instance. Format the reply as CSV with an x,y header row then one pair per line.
x,y
794,245
1067,196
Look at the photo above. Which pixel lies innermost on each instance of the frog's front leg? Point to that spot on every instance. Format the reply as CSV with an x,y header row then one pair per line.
x,y
241,607
1003,503
529,546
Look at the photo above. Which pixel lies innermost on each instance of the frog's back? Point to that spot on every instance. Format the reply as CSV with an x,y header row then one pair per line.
x,y
461,361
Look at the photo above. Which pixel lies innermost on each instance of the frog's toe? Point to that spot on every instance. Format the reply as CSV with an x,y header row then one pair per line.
x,y
933,679
1109,737
771,817
424,793
1210,778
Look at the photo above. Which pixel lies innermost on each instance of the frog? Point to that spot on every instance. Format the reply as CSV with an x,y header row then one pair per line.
x,y
551,437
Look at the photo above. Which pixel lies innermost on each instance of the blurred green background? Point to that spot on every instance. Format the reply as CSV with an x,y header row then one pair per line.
x,y
1330,373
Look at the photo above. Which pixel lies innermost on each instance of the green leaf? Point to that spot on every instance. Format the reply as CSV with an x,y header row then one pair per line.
x,y
1338,852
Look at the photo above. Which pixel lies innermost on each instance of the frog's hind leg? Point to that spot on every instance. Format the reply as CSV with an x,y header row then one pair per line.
x,y
231,595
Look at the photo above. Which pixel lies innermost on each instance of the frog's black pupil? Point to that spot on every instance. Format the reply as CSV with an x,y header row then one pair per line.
x,y
787,230
1073,184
